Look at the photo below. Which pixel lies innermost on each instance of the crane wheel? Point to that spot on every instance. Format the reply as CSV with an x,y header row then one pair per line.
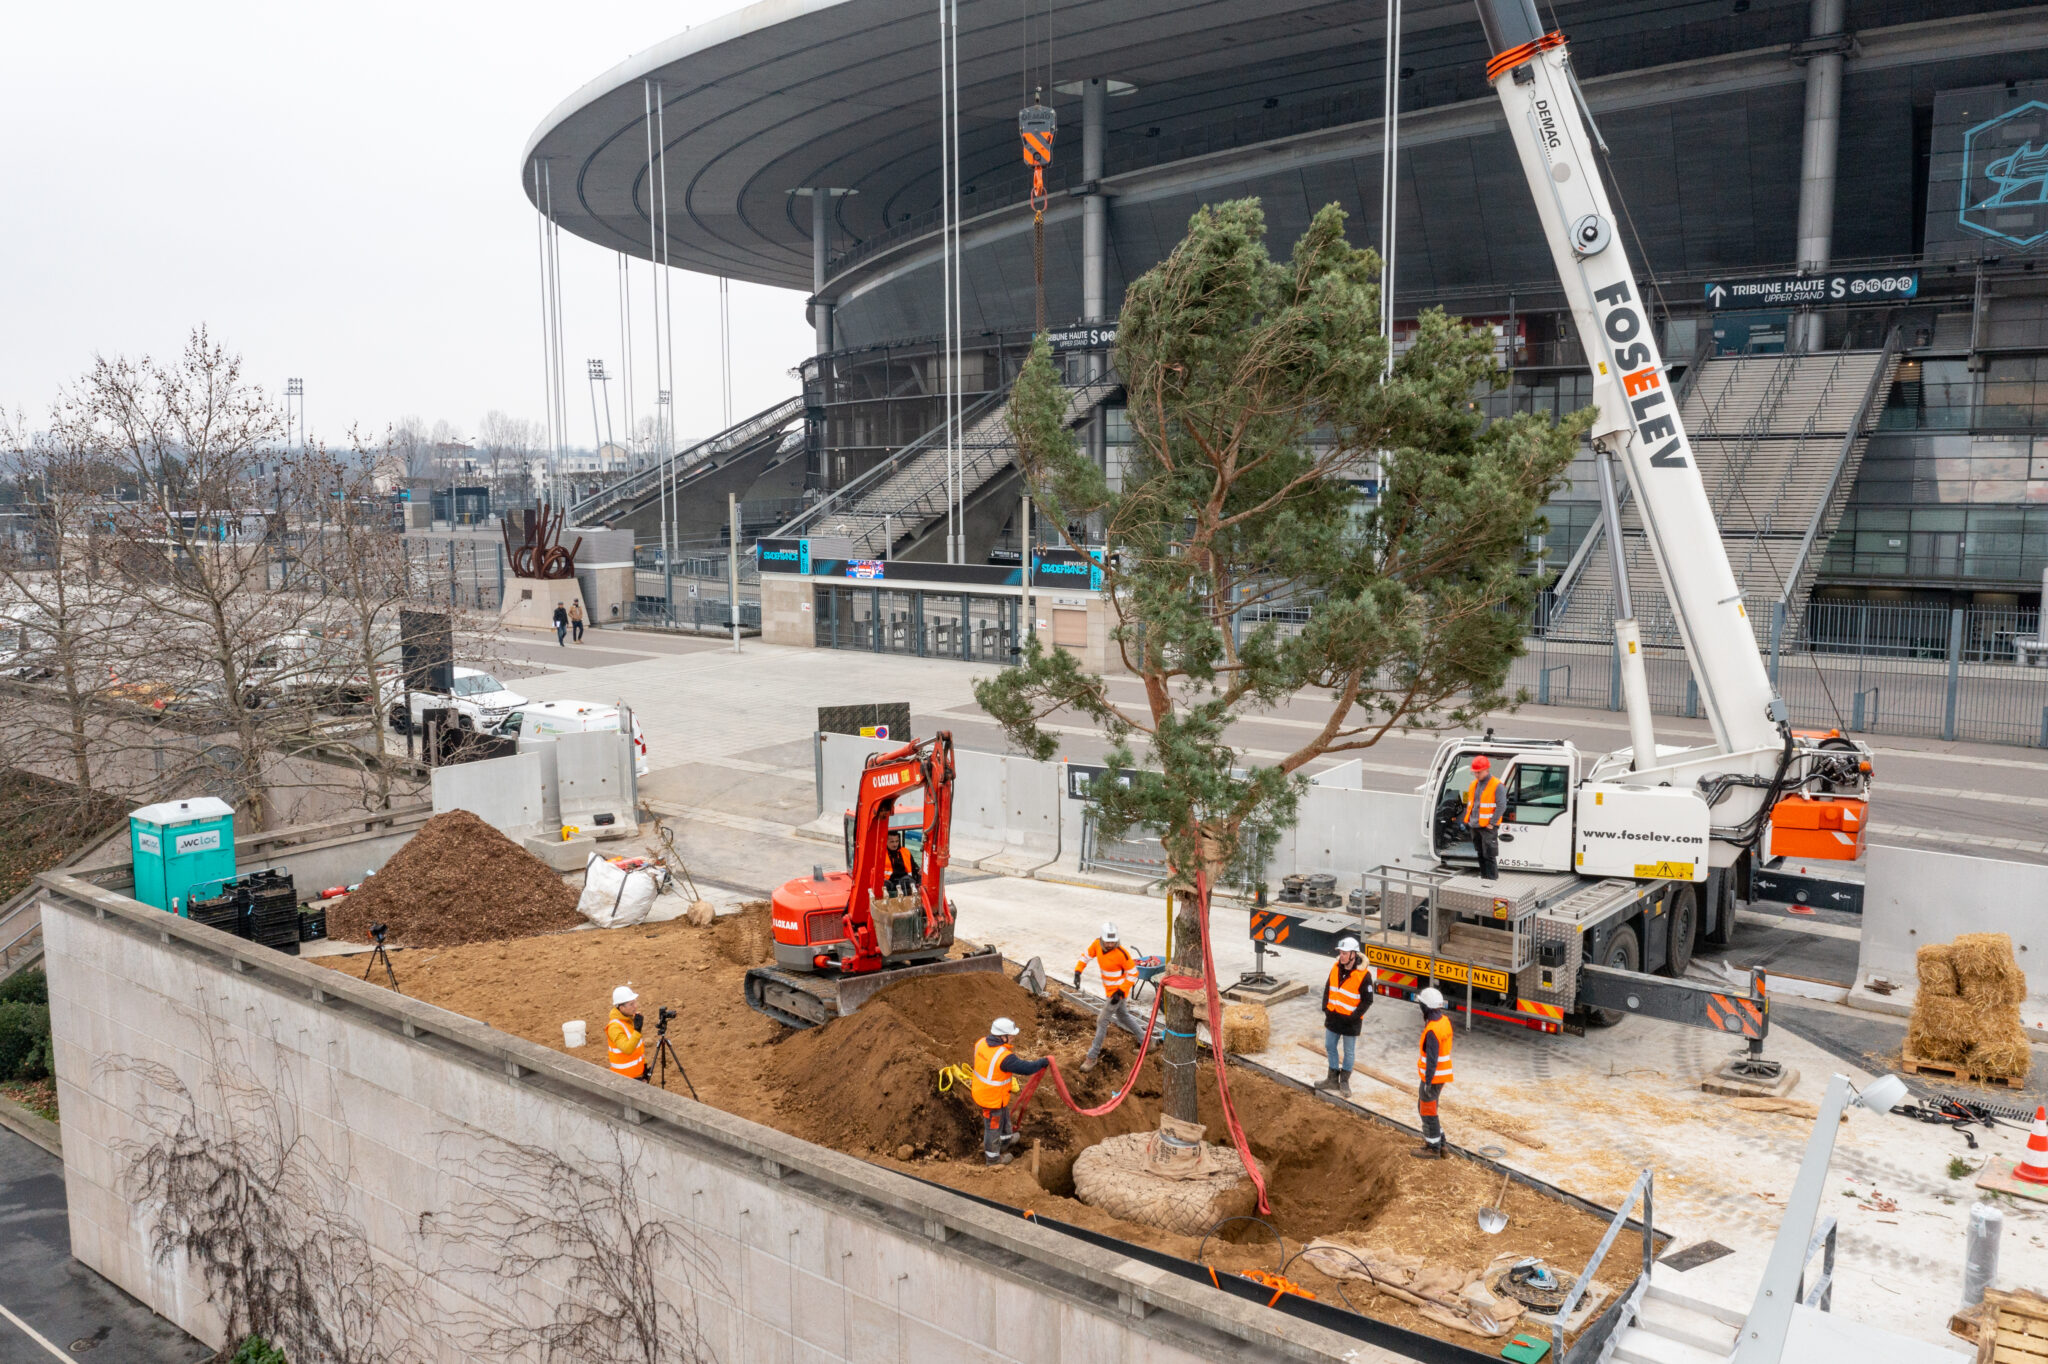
x,y
1624,953
1684,929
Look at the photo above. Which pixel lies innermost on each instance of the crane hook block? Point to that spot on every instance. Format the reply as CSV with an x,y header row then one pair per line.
x,y
1037,124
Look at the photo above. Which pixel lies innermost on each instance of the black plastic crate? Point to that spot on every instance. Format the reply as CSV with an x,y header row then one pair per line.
x,y
313,925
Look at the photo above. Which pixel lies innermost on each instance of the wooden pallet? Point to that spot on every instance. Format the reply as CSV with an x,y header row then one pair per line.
x,y
1954,1070
2007,1328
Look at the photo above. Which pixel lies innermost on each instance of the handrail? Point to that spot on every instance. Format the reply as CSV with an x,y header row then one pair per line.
x,y
1642,1188
721,443
795,525
1878,378
1568,579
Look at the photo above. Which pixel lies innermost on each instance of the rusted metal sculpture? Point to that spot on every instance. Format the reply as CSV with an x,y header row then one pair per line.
x,y
541,554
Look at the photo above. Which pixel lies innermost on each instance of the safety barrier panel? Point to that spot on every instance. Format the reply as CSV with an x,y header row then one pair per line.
x,y
505,793
1915,897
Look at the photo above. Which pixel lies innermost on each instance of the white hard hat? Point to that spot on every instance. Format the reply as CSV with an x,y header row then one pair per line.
x,y
1347,944
1002,1027
1108,931
1431,998
623,995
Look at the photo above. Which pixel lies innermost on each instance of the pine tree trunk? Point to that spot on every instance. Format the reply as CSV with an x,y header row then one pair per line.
x,y
1178,1053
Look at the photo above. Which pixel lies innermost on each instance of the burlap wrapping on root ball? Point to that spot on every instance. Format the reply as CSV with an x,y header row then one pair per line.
x,y
1120,1176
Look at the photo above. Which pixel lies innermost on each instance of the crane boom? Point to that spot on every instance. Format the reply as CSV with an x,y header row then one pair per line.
x,y
1639,423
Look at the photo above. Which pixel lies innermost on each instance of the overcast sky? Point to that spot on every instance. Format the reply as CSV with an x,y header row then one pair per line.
x,y
334,191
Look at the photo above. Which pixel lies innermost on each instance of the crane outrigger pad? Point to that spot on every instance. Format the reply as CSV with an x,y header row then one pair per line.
x,y
805,999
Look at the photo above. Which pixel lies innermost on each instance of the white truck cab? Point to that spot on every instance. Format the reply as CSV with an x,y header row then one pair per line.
x,y
541,722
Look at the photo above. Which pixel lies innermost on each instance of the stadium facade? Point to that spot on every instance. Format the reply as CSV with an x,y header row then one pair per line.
x,y
1800,175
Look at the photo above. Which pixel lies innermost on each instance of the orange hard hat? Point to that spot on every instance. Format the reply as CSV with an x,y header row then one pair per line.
x,y
1481,763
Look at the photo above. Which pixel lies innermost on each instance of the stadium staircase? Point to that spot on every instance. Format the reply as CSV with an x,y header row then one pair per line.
x,y
1779,440
766,437
901,499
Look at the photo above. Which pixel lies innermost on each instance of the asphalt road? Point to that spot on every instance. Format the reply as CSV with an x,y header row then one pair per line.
x,y
51,1306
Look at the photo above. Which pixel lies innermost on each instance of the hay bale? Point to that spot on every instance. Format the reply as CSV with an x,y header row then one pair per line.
x,y
1937,965
2003,1058
1942,1028
1246,1029
1986,969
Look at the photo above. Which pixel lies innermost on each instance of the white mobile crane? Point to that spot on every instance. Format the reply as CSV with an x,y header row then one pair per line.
x,y
1616,863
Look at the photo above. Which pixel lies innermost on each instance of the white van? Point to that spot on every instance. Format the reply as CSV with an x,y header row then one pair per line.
x,y
540,722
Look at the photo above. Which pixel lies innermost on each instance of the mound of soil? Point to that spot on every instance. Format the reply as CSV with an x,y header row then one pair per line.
x,y
458,881
869,1083
748,937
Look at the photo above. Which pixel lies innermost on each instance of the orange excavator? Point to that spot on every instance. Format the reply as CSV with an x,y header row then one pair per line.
x,y
841,936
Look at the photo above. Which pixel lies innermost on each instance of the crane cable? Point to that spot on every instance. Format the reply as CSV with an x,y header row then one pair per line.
x,y
1037,125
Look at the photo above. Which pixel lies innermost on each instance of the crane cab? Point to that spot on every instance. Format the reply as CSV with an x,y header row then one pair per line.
x,y
1539,782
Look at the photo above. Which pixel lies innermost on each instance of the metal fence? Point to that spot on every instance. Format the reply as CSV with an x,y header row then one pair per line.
x,y
703,612
463,574
1975,673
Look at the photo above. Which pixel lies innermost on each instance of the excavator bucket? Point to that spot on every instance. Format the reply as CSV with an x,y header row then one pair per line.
x,y
801,999
1032,977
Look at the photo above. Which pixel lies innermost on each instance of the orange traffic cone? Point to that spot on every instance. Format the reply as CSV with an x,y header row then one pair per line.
x,y
2033,1167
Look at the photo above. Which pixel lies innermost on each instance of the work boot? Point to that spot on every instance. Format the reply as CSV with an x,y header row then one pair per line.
x,y
1344,1083
1328,1083
1088,1062
1004,1159
1429,1150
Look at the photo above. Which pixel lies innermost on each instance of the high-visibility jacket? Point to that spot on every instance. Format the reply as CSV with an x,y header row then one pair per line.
x,y
991,1081
1439,1028
628,1052
1346,992
1119,967
901,864
1482,803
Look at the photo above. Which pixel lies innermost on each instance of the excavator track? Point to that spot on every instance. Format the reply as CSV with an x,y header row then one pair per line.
x,y
803,999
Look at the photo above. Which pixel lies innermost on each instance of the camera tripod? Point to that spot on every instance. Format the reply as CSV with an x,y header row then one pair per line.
x,y
665,1051
378,954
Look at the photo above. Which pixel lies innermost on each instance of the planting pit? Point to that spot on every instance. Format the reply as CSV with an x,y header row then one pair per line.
x,y
867,1085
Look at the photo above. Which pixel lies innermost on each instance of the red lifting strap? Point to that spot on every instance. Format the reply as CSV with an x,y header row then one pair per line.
x,y
1507,61
1208,981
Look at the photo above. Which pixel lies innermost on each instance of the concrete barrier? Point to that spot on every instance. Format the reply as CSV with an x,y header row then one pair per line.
x,y
980,806
504,793
1914,897
1349,831
783,1249
1031,817
594,782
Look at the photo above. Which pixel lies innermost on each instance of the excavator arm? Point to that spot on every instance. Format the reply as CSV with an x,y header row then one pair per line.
x,y
884,781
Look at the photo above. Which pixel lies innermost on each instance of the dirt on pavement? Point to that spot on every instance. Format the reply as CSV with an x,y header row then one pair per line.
x,y
867,1085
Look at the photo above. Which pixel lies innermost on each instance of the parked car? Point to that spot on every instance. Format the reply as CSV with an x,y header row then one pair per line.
x,y
540,722
479,700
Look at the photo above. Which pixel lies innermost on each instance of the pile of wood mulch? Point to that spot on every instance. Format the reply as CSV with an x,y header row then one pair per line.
x,y
458,881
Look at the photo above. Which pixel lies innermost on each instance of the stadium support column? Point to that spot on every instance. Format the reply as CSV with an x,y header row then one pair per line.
x,y
821,238
1094,240
1824,50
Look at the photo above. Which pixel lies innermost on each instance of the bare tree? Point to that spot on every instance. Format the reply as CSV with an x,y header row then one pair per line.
x,y
194,545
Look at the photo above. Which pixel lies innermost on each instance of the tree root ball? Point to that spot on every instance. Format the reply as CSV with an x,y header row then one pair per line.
x,y
1116,1177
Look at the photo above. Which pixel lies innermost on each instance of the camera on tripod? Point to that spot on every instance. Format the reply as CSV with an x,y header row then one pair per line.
x,y
661,1018
377,932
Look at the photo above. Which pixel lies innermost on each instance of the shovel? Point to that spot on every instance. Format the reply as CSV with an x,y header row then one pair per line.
x,y
1492,1220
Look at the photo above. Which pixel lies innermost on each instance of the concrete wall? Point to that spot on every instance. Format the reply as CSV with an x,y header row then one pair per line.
x,y
805,1254
1913,897
786,611
505,793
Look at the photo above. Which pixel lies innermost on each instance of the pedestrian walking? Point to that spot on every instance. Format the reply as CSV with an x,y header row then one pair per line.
x,y
1346,996
995,1061
1119,977
561,624
1433,1070
1482,816
576,620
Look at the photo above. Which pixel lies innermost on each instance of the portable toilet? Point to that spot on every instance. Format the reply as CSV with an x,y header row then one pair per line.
x,y
180,845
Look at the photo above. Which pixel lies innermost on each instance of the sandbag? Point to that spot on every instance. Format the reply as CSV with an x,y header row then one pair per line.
x,y
613,898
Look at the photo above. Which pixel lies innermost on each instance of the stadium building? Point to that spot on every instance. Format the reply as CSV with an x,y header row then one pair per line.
x,y
1838,207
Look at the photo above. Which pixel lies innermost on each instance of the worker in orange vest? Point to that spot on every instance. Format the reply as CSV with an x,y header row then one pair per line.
x,y
1482,816
902,868
622,1037
1432,1070
1119,969
1347,994
994,1063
